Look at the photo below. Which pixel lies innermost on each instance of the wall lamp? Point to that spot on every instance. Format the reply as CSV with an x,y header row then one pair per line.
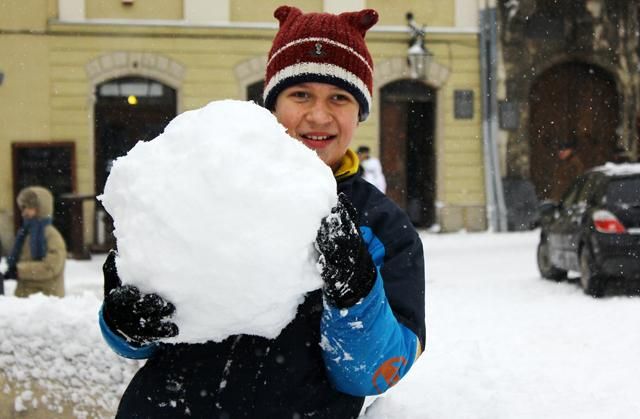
x,y
419,58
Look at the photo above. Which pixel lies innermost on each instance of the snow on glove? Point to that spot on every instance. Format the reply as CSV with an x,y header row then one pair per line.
x,y
140,318
348,271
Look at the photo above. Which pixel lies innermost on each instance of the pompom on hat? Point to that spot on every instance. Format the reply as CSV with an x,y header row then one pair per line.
x,y
323,48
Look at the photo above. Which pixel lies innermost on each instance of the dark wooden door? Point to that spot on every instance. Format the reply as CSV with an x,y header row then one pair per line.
x,y
407,149
421,162
393,149
572,100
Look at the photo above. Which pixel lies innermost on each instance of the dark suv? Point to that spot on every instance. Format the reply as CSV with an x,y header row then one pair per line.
x,y
594,230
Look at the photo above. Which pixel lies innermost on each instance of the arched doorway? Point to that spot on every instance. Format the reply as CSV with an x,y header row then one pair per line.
x,y
407,150
575,101
127,110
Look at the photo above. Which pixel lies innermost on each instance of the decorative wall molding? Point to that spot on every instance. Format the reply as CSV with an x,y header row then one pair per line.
x,y
131,63
396,68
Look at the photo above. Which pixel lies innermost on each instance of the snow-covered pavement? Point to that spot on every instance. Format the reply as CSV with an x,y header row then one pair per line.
x,y
501,342
504,343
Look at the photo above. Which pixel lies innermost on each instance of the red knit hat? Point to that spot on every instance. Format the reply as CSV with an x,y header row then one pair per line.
x,y
324,48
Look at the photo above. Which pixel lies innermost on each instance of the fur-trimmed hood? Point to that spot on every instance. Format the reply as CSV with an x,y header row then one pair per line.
x,y
37,197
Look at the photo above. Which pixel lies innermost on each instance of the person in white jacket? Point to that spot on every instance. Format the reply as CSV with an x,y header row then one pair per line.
x,y
372,169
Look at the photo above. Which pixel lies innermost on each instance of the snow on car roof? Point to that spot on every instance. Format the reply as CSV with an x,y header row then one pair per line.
x,y
621,169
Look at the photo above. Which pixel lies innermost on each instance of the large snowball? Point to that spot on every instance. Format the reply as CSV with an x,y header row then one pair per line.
x,y
218,215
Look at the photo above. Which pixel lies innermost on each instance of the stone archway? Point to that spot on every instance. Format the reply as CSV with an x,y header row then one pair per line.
x,y
396,69
135,64
121,64
130,63
577,101
250,76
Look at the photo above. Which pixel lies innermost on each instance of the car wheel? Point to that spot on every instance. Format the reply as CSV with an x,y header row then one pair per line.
x,y
591,281
546,268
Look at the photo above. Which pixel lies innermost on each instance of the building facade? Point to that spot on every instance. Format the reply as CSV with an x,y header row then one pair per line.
x,y
83,80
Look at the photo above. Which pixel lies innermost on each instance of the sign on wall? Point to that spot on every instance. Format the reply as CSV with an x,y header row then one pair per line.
x,y
508,115
463,104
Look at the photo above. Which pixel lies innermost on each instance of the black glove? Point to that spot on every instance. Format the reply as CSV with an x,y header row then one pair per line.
x,y
11,273
348,271
139,318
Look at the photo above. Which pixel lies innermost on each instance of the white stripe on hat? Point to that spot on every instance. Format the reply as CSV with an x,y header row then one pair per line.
x,y
326,40
320,69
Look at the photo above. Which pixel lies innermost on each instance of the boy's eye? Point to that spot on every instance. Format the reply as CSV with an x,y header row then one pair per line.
x,y
300,94
339,97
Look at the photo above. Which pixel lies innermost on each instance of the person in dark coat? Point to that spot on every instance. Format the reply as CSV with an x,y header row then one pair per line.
x,y
358,335
569,167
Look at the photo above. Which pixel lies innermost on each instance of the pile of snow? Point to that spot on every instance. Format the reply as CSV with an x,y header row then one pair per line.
x,y
52,355
218,215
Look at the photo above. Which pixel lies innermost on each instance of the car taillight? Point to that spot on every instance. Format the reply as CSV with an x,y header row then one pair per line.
x,y
606,222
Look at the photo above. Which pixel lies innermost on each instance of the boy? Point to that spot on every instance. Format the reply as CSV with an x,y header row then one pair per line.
x,y
39,253
359,334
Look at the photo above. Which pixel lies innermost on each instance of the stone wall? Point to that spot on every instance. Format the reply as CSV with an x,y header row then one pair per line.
x,y
535,35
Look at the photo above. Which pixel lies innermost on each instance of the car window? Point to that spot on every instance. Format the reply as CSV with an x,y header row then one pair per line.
x,y
586,193
571,196
624,191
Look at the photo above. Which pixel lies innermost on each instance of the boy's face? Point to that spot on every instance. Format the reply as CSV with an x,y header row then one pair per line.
x,y
29,213
322,116
565,153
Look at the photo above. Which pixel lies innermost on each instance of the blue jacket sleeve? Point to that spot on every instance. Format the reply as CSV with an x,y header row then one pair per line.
x,y
366,350
120,345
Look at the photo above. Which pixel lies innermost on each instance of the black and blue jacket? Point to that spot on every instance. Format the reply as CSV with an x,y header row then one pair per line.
x,y
323,363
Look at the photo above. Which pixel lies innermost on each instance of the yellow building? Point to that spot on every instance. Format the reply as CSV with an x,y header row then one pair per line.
x,y
82,80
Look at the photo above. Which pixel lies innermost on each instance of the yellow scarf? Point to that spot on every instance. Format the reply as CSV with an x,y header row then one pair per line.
x,y
349,165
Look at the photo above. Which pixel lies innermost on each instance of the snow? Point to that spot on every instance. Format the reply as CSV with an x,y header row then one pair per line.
x,y
53,346
242,233
501,342
504,343
621,169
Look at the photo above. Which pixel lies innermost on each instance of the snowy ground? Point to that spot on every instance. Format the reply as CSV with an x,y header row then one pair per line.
x,y
504,343
501,342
